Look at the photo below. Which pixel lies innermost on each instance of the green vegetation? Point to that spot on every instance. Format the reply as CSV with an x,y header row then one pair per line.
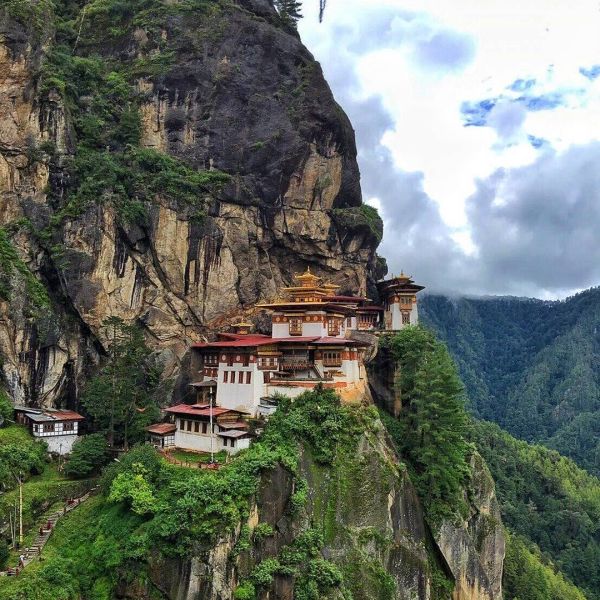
x,y
530,366
20,455
290,11
102,101
89,455
30,13
429,432
15,273
123,398
360,217
546,499
6,407
148,503
44,487
529,576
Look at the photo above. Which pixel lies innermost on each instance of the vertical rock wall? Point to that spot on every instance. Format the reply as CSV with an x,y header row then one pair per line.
x,y
242,95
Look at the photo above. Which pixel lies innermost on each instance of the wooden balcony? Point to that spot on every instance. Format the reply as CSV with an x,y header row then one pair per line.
x,y
296,365
332,362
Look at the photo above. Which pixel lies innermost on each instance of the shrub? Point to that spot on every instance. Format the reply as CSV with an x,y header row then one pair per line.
x,y
4,553
6,407
89,454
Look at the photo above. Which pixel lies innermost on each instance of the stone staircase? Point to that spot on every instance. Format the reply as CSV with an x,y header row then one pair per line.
x,y
45,530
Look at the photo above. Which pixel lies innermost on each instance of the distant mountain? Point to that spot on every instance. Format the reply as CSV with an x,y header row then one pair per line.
x,y
531,366
551,508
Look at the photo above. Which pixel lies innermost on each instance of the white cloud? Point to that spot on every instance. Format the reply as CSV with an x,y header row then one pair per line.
x,y
404,71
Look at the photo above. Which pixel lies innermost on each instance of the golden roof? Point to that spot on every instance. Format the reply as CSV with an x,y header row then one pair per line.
x,y
307,278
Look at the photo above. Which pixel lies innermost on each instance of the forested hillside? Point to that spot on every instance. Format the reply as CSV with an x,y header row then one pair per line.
x,y
531,366
548,502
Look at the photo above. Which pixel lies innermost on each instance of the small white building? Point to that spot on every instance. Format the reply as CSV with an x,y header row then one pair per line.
x,y
192,428
399,302
57,427
162,435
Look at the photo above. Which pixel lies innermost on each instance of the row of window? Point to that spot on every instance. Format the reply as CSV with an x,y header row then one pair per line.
x,y
211,360
194,426
333,326
198,427
242,376
49,427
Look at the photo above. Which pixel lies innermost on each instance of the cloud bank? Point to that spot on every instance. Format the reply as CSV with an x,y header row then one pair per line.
x,y
481,188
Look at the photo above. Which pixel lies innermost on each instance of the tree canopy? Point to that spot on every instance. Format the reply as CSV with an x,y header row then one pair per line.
x,y
430,428
124,397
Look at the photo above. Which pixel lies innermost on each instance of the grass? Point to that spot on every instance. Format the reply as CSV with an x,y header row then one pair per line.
x,y
42,494
197,457
14,434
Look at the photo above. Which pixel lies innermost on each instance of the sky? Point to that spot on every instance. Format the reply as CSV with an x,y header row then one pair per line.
x,y
478,131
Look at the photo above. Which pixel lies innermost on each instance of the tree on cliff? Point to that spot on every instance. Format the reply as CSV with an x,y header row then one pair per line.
x,y
289,10
123,398
432,422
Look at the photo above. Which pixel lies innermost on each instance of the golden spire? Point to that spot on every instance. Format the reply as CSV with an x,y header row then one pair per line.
x,y
307,279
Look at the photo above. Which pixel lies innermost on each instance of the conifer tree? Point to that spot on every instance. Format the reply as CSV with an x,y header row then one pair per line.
x,y
432,421
122,398
290,11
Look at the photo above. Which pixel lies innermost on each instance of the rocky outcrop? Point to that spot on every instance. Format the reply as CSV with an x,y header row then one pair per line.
x,y
471,548
373,527
238,93
474,549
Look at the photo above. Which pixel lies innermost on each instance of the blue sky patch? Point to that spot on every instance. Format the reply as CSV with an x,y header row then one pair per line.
x,y
543,102
521,85
475,113
591,73
537,142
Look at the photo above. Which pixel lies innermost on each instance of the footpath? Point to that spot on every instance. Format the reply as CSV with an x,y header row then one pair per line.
x,y
45,531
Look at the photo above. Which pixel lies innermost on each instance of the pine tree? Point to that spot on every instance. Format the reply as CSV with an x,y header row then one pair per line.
x,y
123,397
432,420
290,11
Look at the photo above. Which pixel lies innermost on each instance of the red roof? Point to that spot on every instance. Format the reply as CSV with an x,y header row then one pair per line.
x,y
239,336
162,428
201,410
65,415
345,298
241,342
296,338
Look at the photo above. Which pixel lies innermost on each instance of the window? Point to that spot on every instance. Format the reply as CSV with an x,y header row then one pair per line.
x,y
211,359
295,326
189,425
246,360
225,376
349,322
267,362
230,360
224,441
48,427
240,377
196,427
204,427
333,327
248,376
405,318
68,426
332,358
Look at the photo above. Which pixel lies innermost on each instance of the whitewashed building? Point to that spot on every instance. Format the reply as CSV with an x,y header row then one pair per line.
x,y
399,302
192,428
57,427
311,345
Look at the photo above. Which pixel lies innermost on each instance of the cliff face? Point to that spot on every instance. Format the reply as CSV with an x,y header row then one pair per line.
x,y
374,531
234,92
